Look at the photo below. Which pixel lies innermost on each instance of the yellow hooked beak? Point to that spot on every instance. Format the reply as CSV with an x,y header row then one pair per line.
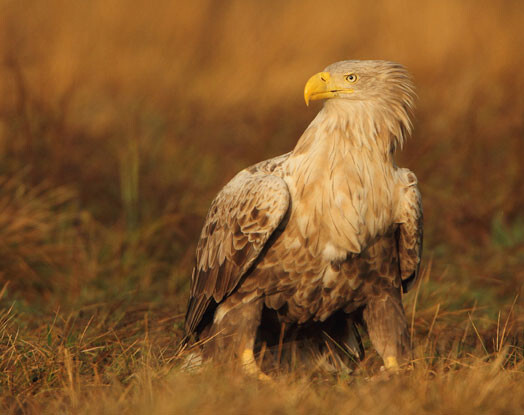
x,y
321,86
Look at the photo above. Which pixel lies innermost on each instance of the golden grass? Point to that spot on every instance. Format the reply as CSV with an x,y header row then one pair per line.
x,y
119,121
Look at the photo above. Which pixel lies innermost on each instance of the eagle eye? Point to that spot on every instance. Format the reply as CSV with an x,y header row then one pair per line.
x,y
352,78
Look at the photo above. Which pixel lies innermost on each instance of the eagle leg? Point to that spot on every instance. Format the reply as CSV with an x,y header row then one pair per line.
x,y
387,328
250,366
233,333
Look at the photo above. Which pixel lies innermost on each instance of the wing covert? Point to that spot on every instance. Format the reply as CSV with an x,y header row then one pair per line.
x,y
240,220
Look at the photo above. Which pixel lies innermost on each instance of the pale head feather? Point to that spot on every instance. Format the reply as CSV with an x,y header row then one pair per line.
x,y
383,97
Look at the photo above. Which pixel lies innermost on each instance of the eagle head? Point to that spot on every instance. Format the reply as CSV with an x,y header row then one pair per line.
x,y
383,89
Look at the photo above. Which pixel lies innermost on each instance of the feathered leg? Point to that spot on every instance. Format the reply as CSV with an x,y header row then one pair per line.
x,y
233,332
387,328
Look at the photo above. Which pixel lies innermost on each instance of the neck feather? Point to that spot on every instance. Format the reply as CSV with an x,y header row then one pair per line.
x,y
365,125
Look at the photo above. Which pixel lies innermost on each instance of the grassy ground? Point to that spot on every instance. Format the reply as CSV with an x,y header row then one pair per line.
x,y
120,120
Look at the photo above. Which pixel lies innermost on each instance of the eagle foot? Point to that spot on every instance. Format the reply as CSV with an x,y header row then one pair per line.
x,y
250,366
391,363
392,366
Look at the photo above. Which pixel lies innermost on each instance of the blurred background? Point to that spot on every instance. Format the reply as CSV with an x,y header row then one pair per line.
x,y
120,120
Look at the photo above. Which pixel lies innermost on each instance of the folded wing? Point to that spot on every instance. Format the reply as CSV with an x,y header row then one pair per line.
x,y
410,234
239,223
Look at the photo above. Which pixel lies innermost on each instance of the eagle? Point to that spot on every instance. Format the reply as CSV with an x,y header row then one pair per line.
x,y
325,237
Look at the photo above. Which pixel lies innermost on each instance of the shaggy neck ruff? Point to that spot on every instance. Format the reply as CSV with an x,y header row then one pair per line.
x,y
340,173
379,127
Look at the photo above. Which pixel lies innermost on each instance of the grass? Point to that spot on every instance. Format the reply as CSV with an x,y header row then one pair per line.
x,y
119,122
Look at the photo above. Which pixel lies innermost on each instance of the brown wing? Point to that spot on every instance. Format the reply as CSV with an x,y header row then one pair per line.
x,y
410,234
240,221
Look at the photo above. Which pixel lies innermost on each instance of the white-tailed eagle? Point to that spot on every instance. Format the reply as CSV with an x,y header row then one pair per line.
x,y
331,231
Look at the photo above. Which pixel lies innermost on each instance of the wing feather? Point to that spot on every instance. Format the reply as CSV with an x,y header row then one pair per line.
x,y
410,233
240,221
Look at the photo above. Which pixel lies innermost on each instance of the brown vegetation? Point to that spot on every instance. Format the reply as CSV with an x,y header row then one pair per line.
x,y
120,120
